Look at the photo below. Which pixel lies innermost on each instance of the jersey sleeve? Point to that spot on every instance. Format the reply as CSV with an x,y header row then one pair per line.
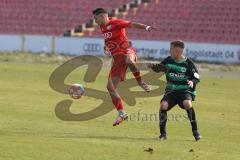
x,y
120,23
161,66
194,74
165,61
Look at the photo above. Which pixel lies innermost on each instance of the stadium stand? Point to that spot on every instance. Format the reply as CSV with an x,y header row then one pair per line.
x,y
48,17
213,21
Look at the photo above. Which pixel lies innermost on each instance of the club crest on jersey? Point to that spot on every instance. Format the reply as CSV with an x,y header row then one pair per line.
x,y
109,27
196,75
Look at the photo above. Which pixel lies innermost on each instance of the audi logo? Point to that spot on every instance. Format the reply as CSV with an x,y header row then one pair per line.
x,y
92,47
107,35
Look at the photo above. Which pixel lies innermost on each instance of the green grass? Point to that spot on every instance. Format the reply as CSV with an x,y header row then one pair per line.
x,y
30,130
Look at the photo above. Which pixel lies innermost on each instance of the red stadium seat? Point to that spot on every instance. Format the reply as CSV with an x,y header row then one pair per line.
x,y
55,15
214,21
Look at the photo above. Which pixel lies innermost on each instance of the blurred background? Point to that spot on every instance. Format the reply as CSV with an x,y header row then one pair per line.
x,y
210,27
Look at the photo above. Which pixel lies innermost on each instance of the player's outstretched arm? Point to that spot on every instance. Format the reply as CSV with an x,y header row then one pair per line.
x,y
141,26
158,67
161,67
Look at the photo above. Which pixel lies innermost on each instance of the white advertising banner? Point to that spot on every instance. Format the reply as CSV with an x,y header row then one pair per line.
x,y
36,44
223,53
154,49
10,43
197,51
79,46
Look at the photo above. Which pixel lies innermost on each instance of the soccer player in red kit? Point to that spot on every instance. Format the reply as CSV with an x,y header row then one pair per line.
x,y
124,55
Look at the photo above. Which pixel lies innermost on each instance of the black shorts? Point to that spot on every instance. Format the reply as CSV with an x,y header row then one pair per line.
x,y
177,97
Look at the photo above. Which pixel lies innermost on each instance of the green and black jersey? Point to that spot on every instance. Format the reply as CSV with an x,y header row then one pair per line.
x,y
178,73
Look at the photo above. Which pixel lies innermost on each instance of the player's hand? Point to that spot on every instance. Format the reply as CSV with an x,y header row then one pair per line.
x,y
107,51
190,83
150,28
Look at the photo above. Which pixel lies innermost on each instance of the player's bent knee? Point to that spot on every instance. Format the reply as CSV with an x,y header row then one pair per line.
x,y
164,105
109,87
187,104
130,59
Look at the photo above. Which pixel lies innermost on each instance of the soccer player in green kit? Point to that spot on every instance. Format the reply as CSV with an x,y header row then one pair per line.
x,y
182,77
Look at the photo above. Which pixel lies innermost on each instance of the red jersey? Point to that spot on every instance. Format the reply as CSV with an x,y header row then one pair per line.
x,y
115,36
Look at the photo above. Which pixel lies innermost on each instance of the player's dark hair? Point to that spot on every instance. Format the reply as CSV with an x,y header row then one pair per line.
x,y
98,11
178,43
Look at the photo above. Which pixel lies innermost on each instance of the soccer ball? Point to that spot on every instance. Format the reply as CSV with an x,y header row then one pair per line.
x,y
76,91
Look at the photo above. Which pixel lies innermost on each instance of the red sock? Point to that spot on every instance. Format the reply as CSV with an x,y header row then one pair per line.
x,y
118,103
137,76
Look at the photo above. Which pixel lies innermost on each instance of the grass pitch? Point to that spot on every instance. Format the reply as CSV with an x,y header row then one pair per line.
x,y
30,130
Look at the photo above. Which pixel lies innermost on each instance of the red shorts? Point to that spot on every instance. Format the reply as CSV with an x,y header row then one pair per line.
x,y
120,66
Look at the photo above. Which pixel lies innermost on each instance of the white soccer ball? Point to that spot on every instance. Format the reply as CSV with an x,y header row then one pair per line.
x,y
76,91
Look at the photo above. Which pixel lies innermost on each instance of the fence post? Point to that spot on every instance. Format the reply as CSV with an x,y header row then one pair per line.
x,y
53,45
23,43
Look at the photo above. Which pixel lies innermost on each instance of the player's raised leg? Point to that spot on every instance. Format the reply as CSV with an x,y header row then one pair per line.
x,y
131,61
116,99
192,118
